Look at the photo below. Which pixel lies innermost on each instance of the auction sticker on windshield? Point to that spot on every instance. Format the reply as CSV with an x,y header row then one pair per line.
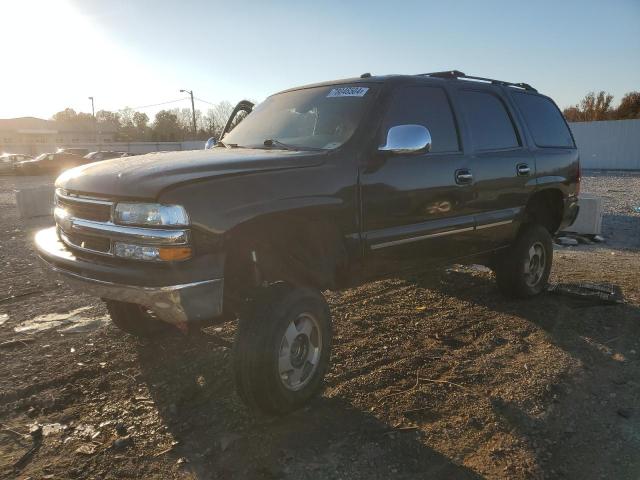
x,y
348,92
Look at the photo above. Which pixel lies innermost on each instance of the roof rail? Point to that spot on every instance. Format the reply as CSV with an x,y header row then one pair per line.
x,y
455,74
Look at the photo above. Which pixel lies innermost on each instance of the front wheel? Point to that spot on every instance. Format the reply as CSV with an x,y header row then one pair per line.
x,y
136,320
523,270
282,348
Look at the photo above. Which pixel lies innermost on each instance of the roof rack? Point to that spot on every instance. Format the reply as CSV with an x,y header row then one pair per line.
x,y
455,74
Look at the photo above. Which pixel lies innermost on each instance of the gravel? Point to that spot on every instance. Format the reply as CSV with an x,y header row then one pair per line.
x,y
433,376
620,192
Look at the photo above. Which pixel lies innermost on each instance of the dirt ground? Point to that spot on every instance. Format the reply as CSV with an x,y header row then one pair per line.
x,y
433,377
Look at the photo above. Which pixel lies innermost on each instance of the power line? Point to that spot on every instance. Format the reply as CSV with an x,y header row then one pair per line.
x,y
204,101
158,104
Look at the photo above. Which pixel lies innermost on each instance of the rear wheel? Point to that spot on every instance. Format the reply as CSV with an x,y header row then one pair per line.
x,y
523,270
136,319
282,348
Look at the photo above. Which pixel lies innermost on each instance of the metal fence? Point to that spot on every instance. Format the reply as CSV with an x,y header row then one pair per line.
x,y
608,145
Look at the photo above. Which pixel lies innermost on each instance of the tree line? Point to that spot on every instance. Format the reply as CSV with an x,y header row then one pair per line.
x,y
129,125
176,124
597,106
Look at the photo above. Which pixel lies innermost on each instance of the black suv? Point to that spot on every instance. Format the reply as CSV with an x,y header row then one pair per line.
x,y
319,187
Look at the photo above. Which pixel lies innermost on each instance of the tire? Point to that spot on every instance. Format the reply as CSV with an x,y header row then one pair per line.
x,y
522,271
282,348
136,320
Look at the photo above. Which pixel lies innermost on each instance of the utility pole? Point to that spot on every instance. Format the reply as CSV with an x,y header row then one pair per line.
x,y
193,111
93,114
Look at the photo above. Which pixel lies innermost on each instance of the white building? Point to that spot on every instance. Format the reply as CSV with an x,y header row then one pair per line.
x,y
32,135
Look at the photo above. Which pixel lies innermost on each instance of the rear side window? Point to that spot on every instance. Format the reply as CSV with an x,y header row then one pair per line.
x,y
487,118
544,120
427,106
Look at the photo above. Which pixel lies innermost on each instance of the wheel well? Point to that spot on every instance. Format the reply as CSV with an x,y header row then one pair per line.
x,y
545,208
301,251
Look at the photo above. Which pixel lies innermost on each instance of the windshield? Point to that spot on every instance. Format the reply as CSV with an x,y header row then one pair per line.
x,y
313,118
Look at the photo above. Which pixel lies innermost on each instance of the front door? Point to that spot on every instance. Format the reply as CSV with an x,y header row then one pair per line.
x,y
416,206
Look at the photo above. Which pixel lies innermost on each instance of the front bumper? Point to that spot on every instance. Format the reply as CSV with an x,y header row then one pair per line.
x,y
173,302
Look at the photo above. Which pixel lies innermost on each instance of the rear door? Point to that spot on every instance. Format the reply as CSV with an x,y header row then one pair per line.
x,y
414,210
502,167
551,140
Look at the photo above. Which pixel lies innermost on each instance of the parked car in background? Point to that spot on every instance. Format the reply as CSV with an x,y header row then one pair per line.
x,y
104,155
8,161
47,163
81,152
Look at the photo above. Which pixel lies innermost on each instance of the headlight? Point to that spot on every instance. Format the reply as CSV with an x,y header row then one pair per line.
x,y
151,214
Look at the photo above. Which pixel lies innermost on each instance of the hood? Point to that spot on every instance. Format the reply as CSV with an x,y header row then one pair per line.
x,y
145,176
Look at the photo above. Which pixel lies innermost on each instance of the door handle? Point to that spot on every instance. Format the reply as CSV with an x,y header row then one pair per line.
x,y
464,176
523,169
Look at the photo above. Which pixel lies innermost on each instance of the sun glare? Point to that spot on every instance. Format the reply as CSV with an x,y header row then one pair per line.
x,y
40,34
53,52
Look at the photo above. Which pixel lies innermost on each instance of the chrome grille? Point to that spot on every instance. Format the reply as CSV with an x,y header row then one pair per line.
x,y
86,224
86,242
85,208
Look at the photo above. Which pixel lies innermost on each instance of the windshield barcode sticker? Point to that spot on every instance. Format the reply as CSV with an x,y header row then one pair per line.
x,y
348,92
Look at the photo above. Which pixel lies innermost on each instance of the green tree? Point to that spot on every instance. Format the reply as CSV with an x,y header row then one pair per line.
x,y
73,120
108,121
166,127
141,124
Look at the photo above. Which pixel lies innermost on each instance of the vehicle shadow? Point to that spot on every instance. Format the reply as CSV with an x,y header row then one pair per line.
x,y
191,383
590,423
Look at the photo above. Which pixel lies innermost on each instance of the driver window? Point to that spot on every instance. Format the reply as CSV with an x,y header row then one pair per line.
x,y
426,106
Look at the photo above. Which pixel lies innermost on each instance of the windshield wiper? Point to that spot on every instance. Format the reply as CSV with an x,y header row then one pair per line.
x,y
272,142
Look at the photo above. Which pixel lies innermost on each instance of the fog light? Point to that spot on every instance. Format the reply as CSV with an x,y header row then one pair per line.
x,y
136,252
140,252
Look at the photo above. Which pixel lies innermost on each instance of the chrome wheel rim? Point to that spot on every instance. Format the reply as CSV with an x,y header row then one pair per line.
x,y
535,264
299,352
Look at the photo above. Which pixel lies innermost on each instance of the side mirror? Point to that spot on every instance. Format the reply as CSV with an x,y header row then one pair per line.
x,y
407,139
210,143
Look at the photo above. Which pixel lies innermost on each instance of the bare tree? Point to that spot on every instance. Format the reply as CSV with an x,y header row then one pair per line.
x,y
629,106
591,108
217,117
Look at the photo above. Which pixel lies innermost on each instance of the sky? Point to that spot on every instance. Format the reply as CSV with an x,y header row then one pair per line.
x,y
57,53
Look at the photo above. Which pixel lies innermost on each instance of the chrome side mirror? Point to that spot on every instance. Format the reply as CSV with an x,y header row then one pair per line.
x,y
407,139
210,143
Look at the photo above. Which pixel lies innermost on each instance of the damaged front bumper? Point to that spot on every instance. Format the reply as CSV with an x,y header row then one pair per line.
x,y
177,302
